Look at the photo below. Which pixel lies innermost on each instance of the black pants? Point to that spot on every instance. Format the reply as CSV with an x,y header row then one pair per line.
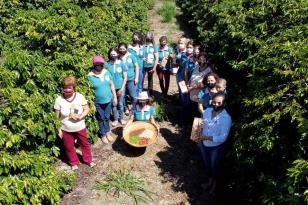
x,y
150,79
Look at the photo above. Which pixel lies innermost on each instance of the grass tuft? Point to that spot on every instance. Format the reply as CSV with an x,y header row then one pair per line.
x,y
167,11
124,181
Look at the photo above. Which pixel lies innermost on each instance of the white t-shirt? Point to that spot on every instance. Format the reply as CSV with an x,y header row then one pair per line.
x,y
197,77
66,108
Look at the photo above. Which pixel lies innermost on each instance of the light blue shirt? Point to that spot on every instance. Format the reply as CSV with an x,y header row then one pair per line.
x,y
205,96
129,62
218,127
116,70
138,55
162,53
101,86
148,52
143,114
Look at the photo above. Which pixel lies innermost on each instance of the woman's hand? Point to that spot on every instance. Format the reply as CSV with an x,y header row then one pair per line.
x,y
136,80
152,70
60,133
120,92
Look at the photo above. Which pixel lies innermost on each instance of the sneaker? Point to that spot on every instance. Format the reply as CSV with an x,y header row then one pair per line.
x,y
123,122
105,140
74,167
92,164
109,137
114,123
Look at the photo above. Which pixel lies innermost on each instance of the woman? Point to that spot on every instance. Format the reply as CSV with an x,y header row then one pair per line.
x,y
150,59
71,109
131,64
164,66
143,111
181,50
105,96
136,50
202,68
119,77
205,95
216,126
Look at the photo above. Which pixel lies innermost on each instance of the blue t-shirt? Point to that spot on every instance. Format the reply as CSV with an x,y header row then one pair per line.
x,y
101,85
116,70
182,66
148,52
145,114
138,55
190,66
166,52
205,96
129,62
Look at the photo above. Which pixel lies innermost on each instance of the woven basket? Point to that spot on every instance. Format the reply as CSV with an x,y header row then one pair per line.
x,y
138,127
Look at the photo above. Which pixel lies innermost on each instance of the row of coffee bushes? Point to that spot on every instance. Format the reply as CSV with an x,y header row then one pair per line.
x,y
41,41
261,47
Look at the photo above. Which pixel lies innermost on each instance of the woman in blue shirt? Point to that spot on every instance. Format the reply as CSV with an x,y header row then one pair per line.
x,y
131,64
119,77
216,126
105,96
143,111
150,59
164,66
136,50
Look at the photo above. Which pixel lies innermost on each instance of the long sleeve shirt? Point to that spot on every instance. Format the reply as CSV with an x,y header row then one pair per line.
x,y
218,127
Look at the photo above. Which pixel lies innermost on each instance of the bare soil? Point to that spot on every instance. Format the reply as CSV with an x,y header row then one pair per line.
x,y
172,167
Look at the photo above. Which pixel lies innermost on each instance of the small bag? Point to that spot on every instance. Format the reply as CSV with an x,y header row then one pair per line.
x,y
196,131
164,62
183,86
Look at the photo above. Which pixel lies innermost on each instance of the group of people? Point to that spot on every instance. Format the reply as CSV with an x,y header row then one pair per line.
x,y
118,90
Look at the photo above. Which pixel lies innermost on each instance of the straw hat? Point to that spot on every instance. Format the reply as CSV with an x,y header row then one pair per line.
x,y
143,96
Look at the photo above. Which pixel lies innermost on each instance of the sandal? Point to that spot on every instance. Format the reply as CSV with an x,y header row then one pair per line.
x,y
105,140
109,137
74,167
92,164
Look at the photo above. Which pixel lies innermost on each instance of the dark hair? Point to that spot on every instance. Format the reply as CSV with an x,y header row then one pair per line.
x,y
138,34
203,54
204,81
146,101
190,43
122,44
220,94
110,50
163,38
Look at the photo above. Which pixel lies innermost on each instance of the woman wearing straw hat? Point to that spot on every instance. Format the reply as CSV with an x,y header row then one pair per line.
x,y
143,111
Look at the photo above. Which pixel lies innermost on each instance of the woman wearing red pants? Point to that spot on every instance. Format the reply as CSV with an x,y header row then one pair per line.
x,y
164,66
71,109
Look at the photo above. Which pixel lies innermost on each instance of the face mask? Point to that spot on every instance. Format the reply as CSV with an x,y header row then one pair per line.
x,y
181,46
122,53
189,50
218,107
210,85
68,91
113,58
98,68
135,41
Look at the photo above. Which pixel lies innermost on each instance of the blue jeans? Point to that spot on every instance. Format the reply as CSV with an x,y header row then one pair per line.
x,y
131,89
140,79
211,157
119,108
103,116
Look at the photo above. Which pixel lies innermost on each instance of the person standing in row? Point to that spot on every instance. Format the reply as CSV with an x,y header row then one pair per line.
x,y
136,50
216,126
150,60
164,66
131,64
105,96
71,109
119,77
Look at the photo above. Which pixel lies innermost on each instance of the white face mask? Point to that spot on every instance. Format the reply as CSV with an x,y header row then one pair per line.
x,y
190,50
181,46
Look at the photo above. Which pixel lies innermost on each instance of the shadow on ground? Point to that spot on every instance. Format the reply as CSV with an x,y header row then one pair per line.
x,y
123,148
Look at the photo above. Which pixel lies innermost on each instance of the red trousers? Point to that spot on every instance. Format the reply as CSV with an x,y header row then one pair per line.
x,y
84,144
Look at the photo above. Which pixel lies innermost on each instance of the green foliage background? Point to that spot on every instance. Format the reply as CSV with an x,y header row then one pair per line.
x,y
261,48
41,41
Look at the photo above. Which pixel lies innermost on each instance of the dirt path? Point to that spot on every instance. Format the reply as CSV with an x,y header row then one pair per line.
x,y
172,166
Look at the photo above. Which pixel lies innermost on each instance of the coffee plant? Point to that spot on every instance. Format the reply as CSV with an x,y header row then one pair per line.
x,y
261,48
41,41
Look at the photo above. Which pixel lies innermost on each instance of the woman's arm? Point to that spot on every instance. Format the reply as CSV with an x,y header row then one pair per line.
x,y
115,99
85,112
156,61
136,73
121,91
58,116
200,108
